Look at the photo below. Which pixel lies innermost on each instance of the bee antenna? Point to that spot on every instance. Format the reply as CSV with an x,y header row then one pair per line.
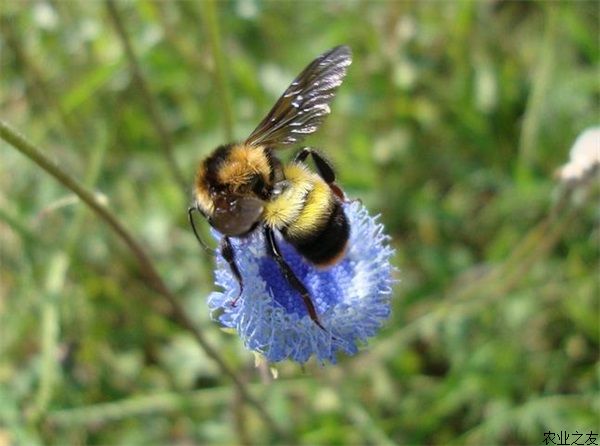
x,y
191,209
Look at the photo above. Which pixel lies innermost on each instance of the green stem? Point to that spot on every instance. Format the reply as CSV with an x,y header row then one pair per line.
x,y
149,102
49,334
541,83
211,21
147,267
58,267
156,404
159,403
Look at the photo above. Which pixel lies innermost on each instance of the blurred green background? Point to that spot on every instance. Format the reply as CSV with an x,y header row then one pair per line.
x,y
451,124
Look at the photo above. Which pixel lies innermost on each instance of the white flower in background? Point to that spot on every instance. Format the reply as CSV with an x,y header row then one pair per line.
x,y
583,158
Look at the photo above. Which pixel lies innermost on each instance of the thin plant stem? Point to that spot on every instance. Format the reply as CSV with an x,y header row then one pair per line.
x,y
146,266
146,96
541,82
57,270
156,404
211,21
49,334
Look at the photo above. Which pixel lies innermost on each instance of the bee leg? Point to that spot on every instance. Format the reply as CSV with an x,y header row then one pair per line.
x,y
324,168
229,256
273,250
191,210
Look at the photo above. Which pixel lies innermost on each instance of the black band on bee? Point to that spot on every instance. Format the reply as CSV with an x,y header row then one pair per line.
x,y
329,243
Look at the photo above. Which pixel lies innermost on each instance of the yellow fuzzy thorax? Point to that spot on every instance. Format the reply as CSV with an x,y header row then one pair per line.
x,y
303,206
243,163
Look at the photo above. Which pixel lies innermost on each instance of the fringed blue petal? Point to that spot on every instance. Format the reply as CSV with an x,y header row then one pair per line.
x,y
352,298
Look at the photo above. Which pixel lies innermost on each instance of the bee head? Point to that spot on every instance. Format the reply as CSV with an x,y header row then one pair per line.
x,y
234,214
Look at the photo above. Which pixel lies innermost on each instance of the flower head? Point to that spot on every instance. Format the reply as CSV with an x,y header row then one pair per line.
x,y
352,298
584,157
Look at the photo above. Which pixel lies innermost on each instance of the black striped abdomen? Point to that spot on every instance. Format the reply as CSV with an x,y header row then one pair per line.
x,y
326,245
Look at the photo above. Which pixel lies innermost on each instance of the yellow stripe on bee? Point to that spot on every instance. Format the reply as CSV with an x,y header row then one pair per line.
x,y
285,209
316,211
202,196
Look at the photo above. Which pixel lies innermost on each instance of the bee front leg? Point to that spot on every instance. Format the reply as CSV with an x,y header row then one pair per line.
x,y
273,250
191,210
229,256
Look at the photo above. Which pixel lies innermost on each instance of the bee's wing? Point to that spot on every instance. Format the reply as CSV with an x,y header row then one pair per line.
x,y
305,104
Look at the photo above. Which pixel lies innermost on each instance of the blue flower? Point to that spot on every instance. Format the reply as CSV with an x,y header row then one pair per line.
x,y
352,298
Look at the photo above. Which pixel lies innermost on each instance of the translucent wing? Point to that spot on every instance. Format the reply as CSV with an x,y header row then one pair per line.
x,y
305,104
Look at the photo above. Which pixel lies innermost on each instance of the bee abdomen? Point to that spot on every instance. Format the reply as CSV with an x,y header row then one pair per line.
x,y
327,245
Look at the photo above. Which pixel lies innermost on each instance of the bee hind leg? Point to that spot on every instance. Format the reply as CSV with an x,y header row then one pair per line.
x,y
324,168
229,256
273,250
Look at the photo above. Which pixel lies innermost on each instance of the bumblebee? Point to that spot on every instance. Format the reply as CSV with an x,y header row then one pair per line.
x,y
243,187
